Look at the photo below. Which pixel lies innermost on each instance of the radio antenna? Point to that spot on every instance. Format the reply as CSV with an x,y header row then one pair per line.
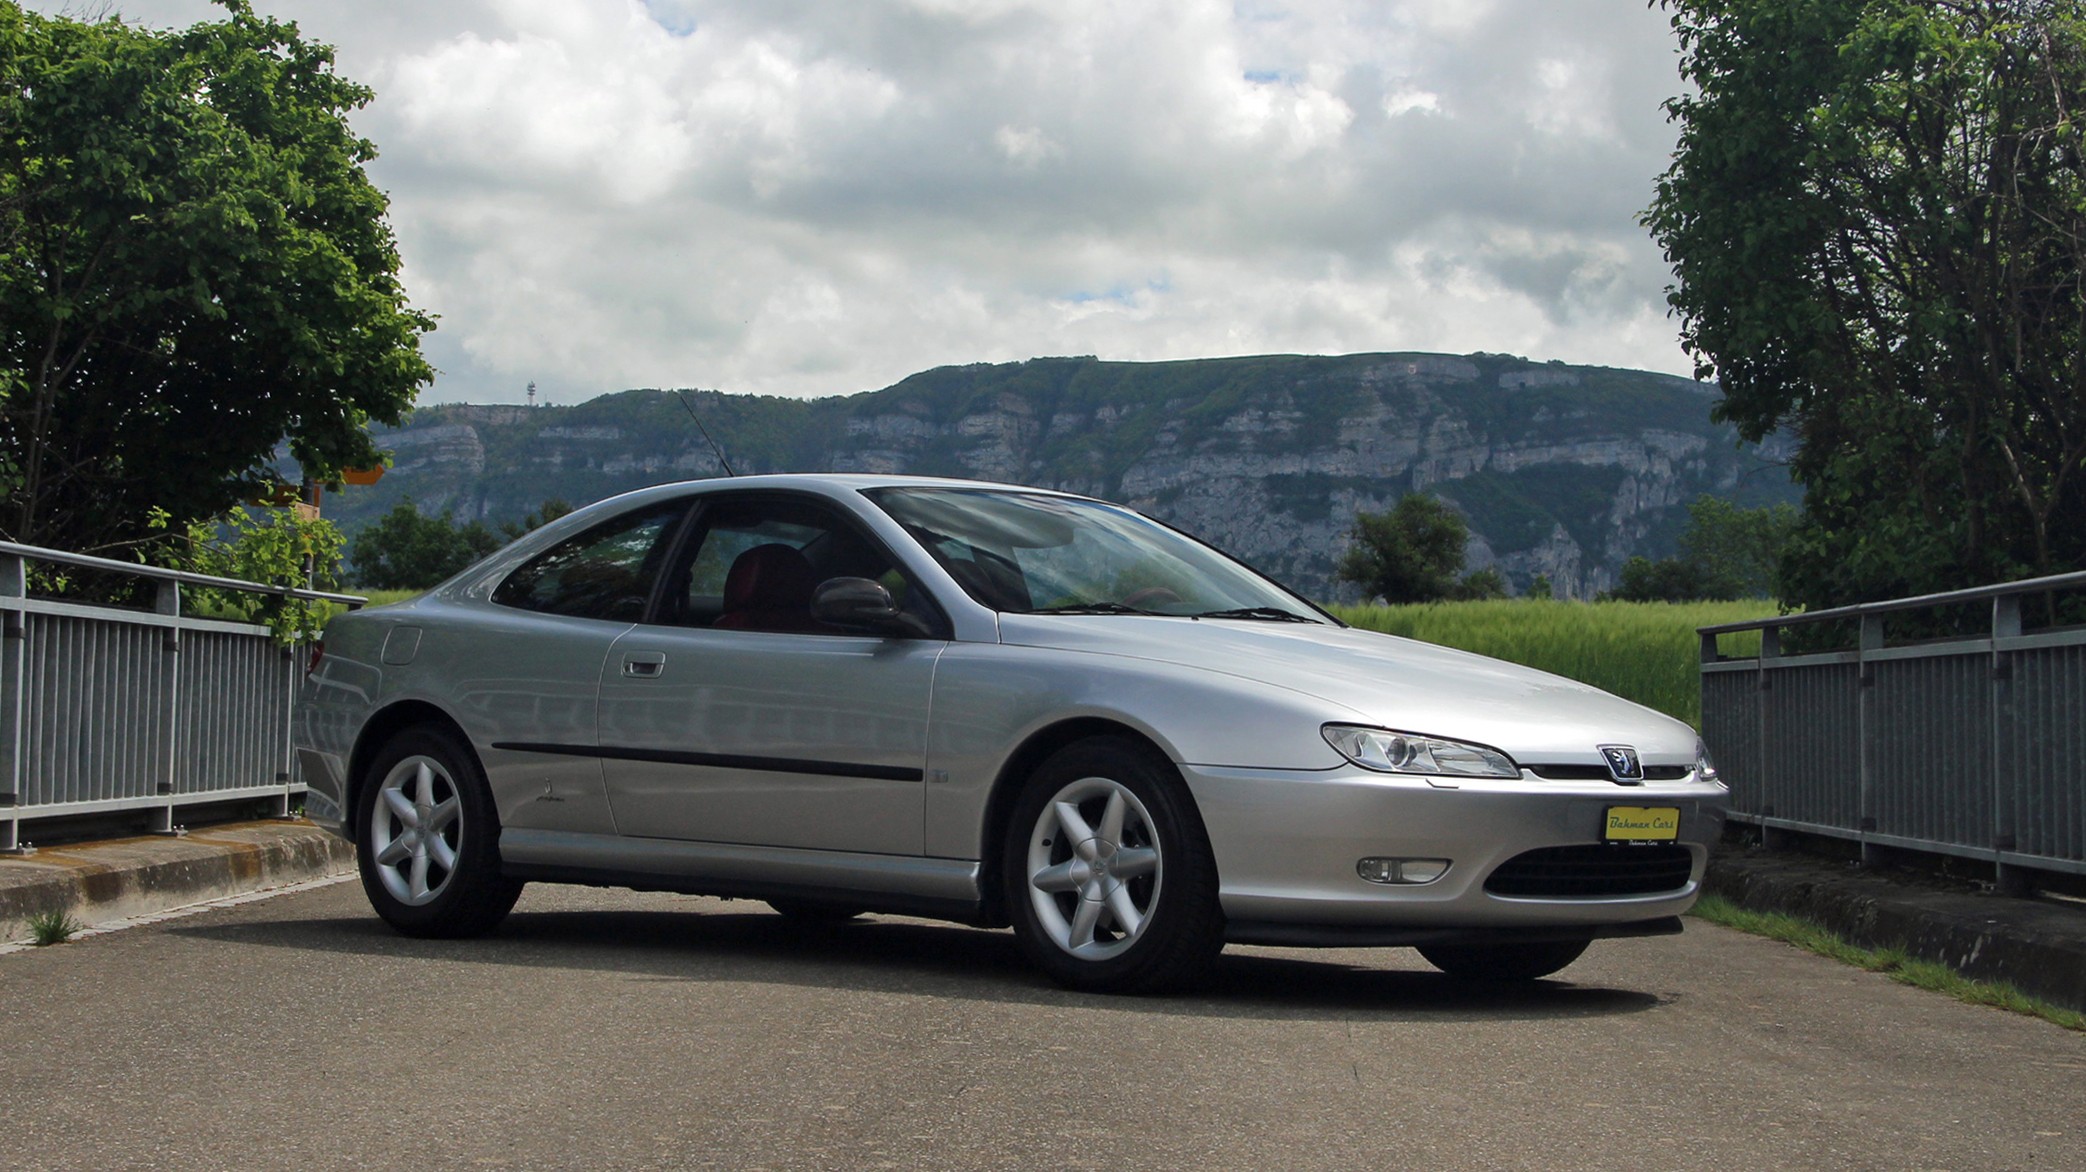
x,y
688,407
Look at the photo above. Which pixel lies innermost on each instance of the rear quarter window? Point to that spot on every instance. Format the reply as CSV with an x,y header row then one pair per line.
x,y
605,572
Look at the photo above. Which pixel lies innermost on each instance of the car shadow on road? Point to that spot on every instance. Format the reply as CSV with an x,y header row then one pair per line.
x,y
943,960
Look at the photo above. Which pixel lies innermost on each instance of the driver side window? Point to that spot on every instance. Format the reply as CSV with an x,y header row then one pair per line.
x,y
753,564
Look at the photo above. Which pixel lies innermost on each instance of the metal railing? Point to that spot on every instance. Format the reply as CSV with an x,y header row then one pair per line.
x,y
1973,747
105,710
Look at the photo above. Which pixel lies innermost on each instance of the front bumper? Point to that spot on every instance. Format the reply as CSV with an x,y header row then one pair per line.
x,y
1287,842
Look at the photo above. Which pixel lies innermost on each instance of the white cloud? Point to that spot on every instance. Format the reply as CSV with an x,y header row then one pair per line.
x,y
822,196
1027,147
1406,101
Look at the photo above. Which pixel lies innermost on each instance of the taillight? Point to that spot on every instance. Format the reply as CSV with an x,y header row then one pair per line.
x,y
318,652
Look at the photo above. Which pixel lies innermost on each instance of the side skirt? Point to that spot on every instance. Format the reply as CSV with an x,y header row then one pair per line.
x,y
942,889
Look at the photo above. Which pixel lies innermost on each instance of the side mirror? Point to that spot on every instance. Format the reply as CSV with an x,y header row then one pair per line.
x,y
858,604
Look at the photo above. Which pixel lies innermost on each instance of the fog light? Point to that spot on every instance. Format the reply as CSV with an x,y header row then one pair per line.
x,y
1406,872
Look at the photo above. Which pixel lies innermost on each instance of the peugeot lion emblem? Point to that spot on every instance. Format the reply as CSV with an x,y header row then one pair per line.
x,y
1622,762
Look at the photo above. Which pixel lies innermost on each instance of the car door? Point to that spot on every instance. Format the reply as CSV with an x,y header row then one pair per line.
x,y
526,671
737,718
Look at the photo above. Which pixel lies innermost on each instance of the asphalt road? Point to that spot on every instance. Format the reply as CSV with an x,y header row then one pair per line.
x,y
612,1030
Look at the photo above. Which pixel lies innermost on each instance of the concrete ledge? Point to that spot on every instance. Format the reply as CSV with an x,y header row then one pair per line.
x,y
98,881
2038,946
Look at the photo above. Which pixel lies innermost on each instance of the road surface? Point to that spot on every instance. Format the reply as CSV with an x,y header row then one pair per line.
x,y
606,1029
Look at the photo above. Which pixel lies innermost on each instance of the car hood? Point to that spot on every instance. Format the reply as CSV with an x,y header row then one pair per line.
x,y
1383,680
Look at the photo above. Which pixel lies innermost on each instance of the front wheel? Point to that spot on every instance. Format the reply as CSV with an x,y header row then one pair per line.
x,y
1504,962
427,839
1109,875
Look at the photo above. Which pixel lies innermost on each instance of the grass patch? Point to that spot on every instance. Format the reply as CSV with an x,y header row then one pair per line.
x,y
52,928
1642,651
1891,962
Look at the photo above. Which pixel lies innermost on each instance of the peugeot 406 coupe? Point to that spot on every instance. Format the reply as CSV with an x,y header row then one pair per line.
x,y
996,705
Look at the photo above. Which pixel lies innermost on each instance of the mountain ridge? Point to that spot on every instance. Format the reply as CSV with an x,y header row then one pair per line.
x,y
1561,470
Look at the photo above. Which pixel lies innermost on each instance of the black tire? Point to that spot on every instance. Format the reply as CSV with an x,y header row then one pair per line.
x,y
812,912
1159,868
1504,962
428,873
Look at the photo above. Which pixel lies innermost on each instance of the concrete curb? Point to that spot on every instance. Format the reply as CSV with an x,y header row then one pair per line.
x,y
2038,947
98,881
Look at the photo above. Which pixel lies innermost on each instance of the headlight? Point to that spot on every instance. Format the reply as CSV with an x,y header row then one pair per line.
x,y
1705,769
1388,751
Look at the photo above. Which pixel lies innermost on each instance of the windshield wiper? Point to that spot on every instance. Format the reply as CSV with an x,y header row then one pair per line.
x,y
1273,614
1091,608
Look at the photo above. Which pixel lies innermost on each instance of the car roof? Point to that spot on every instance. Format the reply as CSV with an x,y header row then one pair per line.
x,y
824,483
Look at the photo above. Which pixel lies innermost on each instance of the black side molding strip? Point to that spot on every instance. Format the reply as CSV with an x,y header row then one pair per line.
x,y
720,760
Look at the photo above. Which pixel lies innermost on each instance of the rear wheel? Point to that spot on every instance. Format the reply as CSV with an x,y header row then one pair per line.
x,y
427,839
1109,875
1504,962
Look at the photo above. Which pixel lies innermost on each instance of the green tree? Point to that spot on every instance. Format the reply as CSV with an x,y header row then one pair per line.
x,y
545,513
1664,580
406,549
193,268
1478,585
1728,552
1413,552
1876,216
1736,551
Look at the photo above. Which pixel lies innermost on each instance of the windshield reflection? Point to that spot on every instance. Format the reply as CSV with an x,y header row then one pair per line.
x,y
1030,553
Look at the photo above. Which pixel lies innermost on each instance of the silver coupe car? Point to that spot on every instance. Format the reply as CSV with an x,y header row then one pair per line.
x,y
989,704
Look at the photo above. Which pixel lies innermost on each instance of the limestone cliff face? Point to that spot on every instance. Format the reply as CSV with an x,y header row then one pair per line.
x,y
1562,471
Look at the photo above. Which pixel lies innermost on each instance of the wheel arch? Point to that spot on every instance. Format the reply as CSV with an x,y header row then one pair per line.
x,y
1006,789
384,724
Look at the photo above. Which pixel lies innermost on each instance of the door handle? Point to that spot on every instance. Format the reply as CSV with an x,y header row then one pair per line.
x,y
644,665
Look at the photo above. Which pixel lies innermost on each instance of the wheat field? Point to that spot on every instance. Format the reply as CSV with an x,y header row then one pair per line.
x,y
1642,651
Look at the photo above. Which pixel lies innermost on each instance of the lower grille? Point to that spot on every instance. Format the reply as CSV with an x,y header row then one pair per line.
x,y
1592,871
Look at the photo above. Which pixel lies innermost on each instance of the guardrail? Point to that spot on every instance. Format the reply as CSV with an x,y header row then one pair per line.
x,y
104,709
1973,747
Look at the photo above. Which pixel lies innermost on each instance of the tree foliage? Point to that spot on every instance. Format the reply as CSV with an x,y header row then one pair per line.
x,y
406,549
1727,553
193,268
1413,552
274,546
1877,220
1664,580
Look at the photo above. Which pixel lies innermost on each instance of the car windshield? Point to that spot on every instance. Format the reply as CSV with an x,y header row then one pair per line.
x,y
1039,554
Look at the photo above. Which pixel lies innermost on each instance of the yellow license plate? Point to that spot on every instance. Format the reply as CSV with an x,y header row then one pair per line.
x,y
1643,823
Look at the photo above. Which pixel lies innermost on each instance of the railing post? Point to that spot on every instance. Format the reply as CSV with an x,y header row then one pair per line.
x,y
1864,739
1770,648
2006,624
287,775
14,640
166,600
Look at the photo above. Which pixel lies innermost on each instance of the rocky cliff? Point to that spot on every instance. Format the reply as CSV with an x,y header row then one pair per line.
x,y
1561,470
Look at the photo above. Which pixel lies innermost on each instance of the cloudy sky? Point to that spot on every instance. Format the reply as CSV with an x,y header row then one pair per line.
x,y
813,197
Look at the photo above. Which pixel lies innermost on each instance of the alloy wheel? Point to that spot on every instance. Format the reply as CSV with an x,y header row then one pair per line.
x,y
415,832
1094,868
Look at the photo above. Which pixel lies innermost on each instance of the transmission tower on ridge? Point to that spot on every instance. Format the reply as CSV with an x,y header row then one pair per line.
x,y
532,394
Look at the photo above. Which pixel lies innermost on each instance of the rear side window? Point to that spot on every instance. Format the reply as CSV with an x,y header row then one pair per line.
x,y
605,572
